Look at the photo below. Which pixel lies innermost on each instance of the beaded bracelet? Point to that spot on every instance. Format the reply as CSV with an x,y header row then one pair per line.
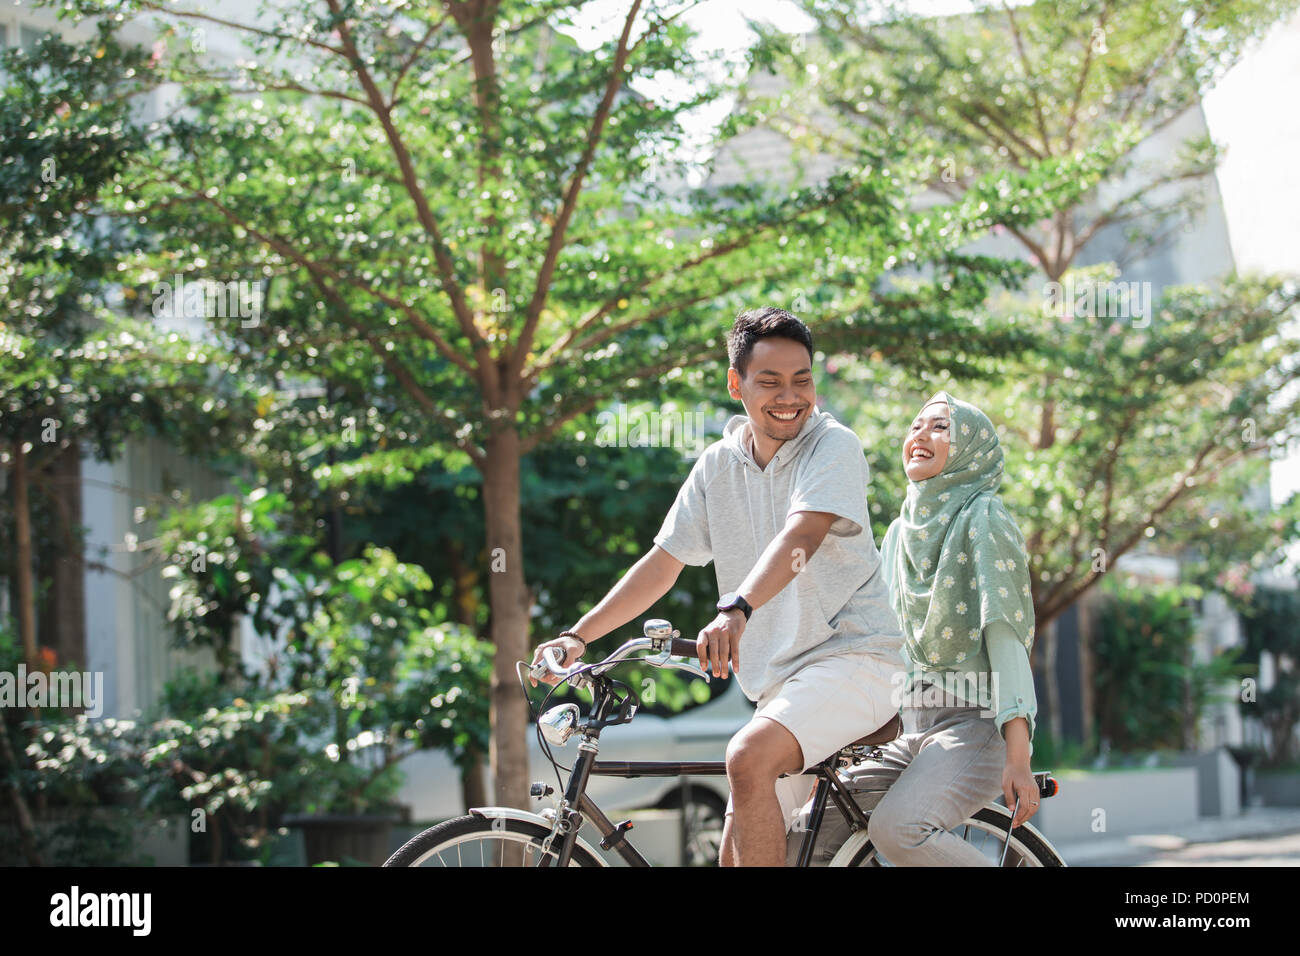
x,y
576,638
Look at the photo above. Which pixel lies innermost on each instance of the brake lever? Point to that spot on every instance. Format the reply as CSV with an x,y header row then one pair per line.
x,y
1010,826
666,659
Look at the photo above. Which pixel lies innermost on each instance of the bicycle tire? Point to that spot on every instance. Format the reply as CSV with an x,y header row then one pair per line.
x,y
1024,841
457,832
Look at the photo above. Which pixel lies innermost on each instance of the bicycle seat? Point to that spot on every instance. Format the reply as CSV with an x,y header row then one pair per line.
x,y
884,735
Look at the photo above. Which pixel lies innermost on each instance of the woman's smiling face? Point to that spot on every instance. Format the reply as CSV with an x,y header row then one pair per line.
x,y
925,449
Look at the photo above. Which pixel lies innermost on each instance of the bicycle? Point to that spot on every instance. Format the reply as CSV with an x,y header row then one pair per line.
x,y
553,834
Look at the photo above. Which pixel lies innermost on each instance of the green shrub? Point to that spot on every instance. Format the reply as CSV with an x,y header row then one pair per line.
x,y
1149,691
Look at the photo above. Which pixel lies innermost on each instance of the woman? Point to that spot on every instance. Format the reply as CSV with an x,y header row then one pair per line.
x,y
959,582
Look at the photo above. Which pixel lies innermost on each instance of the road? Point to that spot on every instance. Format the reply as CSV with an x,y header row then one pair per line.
x,y
1272,850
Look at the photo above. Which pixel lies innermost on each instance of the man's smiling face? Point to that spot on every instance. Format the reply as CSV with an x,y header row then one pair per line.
x,y
777,388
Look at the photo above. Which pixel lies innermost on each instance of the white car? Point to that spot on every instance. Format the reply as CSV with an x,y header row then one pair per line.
x,y
433,789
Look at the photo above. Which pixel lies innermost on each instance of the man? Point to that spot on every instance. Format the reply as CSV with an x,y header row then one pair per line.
x,y
779,504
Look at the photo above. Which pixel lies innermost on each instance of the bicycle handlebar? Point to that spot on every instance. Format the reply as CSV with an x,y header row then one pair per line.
x,y
683,647
675,646
550,662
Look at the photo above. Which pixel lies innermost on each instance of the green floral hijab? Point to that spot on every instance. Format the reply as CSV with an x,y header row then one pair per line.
x,y
954,558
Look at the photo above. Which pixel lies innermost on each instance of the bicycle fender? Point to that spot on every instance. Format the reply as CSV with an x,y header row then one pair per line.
x,y
527,816
1006,814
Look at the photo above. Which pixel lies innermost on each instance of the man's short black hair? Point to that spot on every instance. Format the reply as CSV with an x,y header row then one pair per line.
x,y
762,323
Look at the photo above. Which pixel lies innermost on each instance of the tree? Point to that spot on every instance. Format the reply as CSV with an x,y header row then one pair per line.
x,y
69,373
449,202
1195,382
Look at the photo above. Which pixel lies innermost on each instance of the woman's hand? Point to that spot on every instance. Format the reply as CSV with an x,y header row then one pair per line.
x,y
570,650
1018,781
1017,778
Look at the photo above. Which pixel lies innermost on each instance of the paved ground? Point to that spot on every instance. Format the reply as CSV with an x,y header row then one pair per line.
x,y
1262,836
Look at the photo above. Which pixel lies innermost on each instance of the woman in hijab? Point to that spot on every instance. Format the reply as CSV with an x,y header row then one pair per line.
x,y
959,582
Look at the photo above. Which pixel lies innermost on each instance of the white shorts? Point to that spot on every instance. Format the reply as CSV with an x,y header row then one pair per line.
x,y
826,706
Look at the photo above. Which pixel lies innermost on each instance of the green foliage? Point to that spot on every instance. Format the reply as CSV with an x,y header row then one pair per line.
x,y
590,510
1269,619
1214,419
225,556
1206,378
1149,690
446,222
358,638
1051,753
397,680
67,133
368,678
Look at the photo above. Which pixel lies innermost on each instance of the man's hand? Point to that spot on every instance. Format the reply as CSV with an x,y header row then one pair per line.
x,y
719,643
570,649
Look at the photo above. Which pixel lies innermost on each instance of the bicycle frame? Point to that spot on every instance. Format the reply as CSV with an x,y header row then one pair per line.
x,y
577,807
827,788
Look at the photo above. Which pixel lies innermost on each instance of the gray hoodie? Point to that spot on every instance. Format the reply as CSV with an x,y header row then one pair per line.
x,y
729,511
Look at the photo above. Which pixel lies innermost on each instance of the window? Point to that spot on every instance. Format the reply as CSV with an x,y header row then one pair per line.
x,y
28,37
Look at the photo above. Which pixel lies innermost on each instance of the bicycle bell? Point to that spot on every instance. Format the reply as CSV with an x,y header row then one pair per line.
x,y
657,629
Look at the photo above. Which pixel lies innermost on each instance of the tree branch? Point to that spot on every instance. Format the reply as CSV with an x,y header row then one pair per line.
x,y
286,249
485,372
519,352
528,443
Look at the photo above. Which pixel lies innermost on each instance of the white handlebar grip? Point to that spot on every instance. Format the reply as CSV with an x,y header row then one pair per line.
x,y
550,662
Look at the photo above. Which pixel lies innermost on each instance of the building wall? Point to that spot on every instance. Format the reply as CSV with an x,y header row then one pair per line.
x,y
128,636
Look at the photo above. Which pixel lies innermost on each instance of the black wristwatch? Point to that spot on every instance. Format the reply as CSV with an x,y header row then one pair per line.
x,y
732,600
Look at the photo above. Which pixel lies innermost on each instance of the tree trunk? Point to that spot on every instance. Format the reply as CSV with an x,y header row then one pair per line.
x,y
23,556
1050,683
465,601
22,815
472,790
61,615
509,601
1087,666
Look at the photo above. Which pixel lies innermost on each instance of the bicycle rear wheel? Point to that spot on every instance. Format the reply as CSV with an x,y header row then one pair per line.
x,y
473,841
986,830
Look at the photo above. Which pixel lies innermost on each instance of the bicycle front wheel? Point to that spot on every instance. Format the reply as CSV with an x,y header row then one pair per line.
x,y
473,841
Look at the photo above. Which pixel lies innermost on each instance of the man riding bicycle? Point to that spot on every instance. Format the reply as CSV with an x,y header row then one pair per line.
x,y
779,504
